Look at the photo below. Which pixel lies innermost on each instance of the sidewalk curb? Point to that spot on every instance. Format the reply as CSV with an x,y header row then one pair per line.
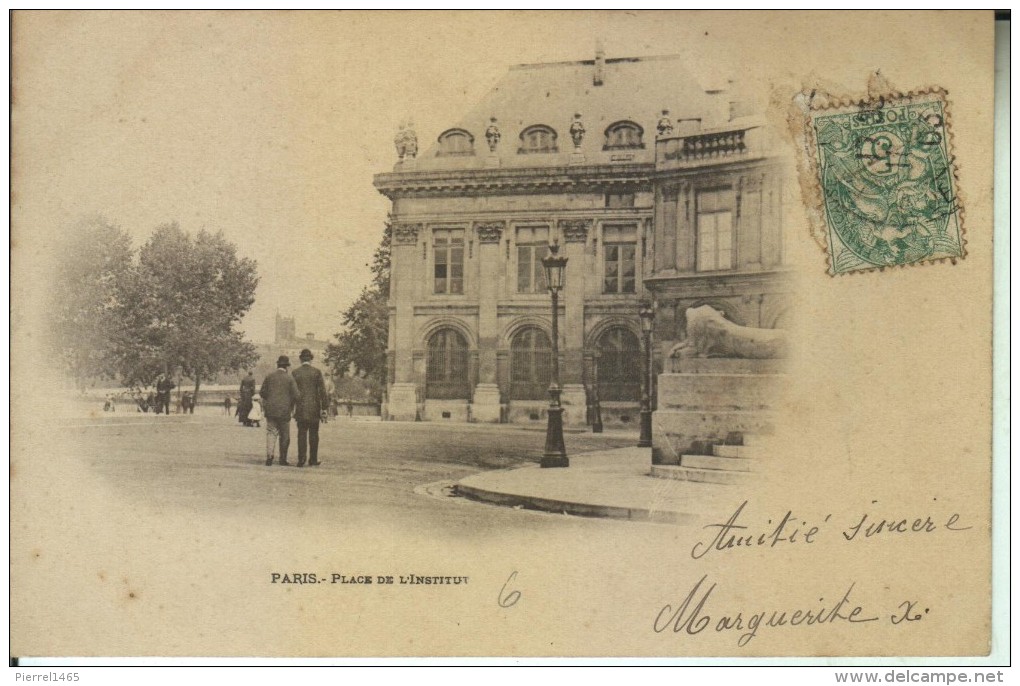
x,y
572,508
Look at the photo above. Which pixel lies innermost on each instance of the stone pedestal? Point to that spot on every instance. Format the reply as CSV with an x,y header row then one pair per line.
x,y
485,406
402,404
705,401
575,405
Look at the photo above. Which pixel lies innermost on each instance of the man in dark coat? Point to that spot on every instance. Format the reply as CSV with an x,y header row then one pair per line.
x,y
163,387
279,398
310,410
246,393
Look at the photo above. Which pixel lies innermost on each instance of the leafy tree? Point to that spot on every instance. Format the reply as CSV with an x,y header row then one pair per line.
x,y
360,347
181,306
94,266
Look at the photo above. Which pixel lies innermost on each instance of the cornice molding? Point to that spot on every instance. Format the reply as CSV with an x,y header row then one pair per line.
x,y
530,180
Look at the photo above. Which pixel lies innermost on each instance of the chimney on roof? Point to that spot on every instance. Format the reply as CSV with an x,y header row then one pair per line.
x,y
600,63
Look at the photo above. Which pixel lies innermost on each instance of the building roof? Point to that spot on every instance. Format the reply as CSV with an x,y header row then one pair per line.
x,y
634,89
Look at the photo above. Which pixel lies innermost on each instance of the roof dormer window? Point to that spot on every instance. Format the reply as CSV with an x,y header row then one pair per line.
x,y
624,135
537,139
456,142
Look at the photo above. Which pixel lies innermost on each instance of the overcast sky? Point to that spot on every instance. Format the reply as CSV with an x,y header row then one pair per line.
x,y
270,126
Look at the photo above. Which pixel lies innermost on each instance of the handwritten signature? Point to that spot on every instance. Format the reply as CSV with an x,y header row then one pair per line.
x,y
693,615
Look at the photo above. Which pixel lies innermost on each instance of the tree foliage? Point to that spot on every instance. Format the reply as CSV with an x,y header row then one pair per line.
x,y
173,310
93,266
184,300
360,346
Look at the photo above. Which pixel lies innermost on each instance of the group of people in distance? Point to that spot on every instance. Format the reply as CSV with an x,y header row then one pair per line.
x,y
284,395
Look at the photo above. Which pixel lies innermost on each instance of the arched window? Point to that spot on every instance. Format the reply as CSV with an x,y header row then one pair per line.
x,y
530,364
619,365
537,139
624,135
446,373
456,142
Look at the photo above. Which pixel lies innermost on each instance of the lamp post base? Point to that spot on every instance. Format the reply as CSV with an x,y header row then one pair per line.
x,y
555,454
555,461
645,440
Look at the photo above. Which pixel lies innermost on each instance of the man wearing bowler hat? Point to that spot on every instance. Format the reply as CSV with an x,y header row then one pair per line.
x,y
279,398
310,409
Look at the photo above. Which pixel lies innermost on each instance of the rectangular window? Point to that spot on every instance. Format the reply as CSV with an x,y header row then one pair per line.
x,y
715,230
619,262
532,248
448,250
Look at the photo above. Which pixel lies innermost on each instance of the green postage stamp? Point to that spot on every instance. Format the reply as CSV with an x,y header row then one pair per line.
x,y
887,180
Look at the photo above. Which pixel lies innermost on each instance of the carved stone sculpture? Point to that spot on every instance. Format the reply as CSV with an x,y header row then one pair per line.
x,y
411,141
665,125
709,334
406,234
406,142
575,230
400,142
490,232
492,135
577,131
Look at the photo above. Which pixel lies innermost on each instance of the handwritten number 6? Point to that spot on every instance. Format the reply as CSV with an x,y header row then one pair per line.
x,y
509,599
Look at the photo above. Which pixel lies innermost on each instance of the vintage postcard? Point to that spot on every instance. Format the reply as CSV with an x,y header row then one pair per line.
x,y
509,334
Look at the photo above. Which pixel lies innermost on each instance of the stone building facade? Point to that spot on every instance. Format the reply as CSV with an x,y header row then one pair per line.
x,y
586,155
718,238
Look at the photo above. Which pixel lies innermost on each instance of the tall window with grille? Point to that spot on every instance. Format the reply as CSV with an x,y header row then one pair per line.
x,y
532,247
446,370
530,364
619,365
620,258
448,255
715,229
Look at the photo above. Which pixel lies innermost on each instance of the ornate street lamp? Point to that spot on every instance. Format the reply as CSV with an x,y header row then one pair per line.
x,y
596,423
555,454
647,314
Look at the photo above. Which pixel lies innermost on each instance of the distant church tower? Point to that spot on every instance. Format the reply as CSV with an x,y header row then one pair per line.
x,y
285,329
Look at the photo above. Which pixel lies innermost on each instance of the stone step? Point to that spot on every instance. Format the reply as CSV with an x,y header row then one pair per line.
x,y
745,451
709,476
675,433
758,440
733,464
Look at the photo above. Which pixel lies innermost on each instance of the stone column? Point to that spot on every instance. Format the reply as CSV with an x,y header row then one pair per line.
x,y
485,403
686,254
749,206
666,228
403,395
575,235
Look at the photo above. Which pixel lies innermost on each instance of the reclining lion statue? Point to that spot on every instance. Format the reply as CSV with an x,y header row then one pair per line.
x,y
709,334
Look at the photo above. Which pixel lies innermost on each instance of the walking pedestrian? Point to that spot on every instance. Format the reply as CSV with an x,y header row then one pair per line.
x,y
244,402
311,408
227,403
279,398
256,415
